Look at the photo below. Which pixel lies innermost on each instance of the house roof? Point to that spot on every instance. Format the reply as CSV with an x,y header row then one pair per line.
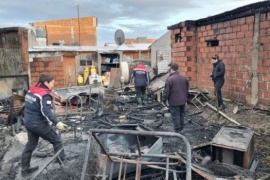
x,y
244,11
100,49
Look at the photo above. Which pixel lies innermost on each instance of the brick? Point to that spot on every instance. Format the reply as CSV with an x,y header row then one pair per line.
x,y
262,17
266,94
234,22
214,26
244,27
266,62
233,35
264,101
229,30
240,34
249,19
236,29
264,24
248,34
208,27
220,25
227,24
262,86
210,32
241,21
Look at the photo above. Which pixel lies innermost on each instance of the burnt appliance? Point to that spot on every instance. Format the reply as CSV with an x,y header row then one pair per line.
x,y
234,145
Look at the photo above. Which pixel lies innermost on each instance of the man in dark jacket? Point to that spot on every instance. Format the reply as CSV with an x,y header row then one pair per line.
x,y
141,78
37,116
218,79
176,92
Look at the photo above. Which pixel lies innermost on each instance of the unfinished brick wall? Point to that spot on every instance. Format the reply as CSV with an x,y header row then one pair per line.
x,y
47,65
235,48
137,54
68,30
264,60
184,52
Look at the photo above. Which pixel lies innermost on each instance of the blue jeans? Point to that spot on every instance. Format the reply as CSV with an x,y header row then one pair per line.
x,y
178,115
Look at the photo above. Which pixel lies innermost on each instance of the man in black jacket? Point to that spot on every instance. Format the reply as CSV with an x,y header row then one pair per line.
x,y
218,79
37,116
176,92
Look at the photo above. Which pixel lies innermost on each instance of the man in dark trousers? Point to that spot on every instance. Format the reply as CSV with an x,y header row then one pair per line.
x,y
176,92
141,78
38,114
218,79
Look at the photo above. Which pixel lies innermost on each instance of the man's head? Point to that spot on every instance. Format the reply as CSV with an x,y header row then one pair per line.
x,y
174,67
214,59
47,80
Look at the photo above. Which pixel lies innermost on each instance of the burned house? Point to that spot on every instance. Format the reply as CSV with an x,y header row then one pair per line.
x,y
241,39
13,60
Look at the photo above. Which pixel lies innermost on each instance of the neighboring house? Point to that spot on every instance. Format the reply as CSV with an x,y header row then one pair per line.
x,y
66,62
241,38
161,53
72,31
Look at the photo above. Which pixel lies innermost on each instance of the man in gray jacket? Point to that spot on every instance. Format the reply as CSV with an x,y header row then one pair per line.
x,y
176,92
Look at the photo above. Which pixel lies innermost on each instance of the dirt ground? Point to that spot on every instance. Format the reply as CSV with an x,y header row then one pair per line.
x,y
201,126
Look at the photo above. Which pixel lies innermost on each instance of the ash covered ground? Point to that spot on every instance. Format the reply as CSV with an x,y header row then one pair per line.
x,y
200,127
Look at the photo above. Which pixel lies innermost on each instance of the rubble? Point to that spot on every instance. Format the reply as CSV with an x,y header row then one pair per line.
x,y
104,113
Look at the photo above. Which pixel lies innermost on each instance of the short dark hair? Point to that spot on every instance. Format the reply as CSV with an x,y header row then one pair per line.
x,y
174,66
215,57
45,78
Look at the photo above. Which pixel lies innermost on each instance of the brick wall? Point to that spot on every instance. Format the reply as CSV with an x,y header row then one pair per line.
x,y
235,49
137,54
184,51
68,30
264,60
47,65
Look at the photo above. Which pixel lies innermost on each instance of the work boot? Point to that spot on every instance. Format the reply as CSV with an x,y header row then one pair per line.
x,y
26,169
139,102
61,157
144,99
221,107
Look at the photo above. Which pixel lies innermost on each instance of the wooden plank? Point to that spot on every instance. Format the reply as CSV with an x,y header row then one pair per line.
x,y
115,75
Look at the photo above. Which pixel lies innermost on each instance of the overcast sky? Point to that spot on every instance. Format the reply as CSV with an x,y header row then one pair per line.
x,y
135,17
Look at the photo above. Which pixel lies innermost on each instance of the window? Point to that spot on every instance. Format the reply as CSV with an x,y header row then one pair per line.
x,y
85,62
212,42
178,38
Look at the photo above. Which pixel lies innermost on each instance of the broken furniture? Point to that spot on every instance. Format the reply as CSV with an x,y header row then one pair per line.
x,y
80,100
234,145
125,149
198,98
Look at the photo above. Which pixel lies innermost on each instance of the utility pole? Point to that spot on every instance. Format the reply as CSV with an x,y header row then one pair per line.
x,y
79,27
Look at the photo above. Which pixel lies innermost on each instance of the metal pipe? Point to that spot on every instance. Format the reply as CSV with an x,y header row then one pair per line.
x,y
47,163
116,160
167,167
102,147
138,146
